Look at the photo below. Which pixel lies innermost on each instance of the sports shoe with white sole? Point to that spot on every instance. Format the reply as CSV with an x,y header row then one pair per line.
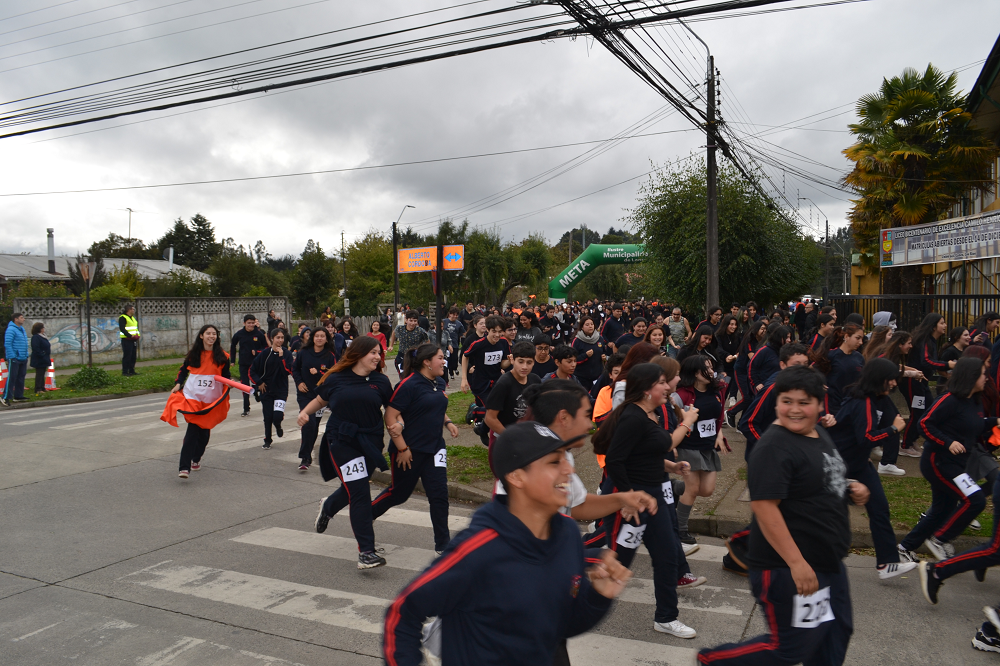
x,y
940,549
689,580
929,583
690,548
370,561
322,520
303,467
893,569
985,643
675,628
975,525
890,470
183,474
906,555
195,466
911,452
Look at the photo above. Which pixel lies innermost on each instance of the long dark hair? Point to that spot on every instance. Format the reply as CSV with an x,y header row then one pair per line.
x,y
637,354
875,377
691,348
876,341
642,377
979,326
964,376
750,339
990,396
413,360
219,357
693,366
954,335
357,351
925,331
821,357
723,329
821,321
329,343
354,329
891,349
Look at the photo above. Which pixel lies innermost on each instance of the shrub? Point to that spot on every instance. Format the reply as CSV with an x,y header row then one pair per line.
x,y
88,378
111,293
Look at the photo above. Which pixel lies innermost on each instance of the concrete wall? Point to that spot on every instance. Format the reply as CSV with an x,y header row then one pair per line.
x,y
168,326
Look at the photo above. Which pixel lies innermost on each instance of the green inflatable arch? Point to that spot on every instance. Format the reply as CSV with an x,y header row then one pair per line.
x,y
592,257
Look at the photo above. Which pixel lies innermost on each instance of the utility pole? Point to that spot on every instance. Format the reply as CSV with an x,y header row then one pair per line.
x,y
395,256
129,225
570,247
826,268
343,260
712,218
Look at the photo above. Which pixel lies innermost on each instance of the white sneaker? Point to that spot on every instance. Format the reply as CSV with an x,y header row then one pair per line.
x,y
877,452
890,470
892,570
975,524
940,549
907,555
675,628
690,548
912,452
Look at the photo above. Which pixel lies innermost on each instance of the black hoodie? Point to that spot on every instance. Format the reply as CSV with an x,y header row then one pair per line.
x,y
503,595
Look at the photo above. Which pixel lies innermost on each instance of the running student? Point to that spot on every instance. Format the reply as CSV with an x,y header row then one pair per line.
x,y
250,340
924,357
951,427
505,404
591,352
755,333
824,327
521,561
543,360
310,364
614,326
482,365
760,414
197,395
418,452
765,361
409,335
799,536
839,359
269,373
356,391
638,328
565,359
868,418
602,401
455,330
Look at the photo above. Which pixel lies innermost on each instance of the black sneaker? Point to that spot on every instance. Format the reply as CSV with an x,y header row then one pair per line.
x,y
730,565
370,561
737,552
322,520
980,575
928,583
267,445
246,413
993,615
687,538
278,431
985,643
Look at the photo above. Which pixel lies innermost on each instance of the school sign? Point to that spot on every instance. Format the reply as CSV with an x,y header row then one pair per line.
x,y
958,239
589,259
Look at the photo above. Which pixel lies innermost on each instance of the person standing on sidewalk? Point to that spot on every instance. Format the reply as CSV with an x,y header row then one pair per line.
x,y
41,352
250,341
128,331
15,341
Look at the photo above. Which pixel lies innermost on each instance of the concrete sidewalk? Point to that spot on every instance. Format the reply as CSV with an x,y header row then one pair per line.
x,y
117,367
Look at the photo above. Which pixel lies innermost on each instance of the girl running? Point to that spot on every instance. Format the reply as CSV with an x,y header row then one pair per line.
x,y
741,367
876,342
727,343
375,331
637,446
356,391
958,340
700,447
202,400
310,364
418,452
951,427
591,352
655,336
824,326
923,357
765,361
269,373
702,343
838,358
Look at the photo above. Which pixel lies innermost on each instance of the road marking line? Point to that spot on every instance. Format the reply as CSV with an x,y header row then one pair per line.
x,y
62,414
705,553
37,631
166,656
707,598
600,650
307,602
111,419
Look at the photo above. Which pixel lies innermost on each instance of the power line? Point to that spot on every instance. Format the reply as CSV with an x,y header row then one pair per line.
x,y
35,11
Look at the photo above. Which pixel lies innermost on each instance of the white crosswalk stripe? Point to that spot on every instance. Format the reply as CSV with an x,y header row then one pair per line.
x,y
110,419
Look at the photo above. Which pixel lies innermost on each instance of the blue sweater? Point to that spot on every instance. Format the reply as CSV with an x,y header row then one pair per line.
x,y
15,341
503,596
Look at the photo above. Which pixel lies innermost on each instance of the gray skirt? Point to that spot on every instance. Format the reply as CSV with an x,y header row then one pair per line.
x,y
701,460
980,464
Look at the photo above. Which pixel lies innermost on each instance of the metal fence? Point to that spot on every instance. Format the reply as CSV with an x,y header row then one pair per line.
x,y
958,309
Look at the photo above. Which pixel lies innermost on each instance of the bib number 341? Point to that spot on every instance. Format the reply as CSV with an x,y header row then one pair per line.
x,y
811,611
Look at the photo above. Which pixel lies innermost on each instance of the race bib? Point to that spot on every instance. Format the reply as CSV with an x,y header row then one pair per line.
x,y
203,388
966,484
354,470
706,428
492,358
918,402
630,536
812,611
441,458
279,406
668,492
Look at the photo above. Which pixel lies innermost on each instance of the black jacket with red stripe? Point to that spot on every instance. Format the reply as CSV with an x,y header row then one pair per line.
x,y
863,424
953,419
759,415
503,596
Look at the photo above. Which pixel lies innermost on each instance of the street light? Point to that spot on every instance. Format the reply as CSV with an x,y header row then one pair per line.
x,y
395,257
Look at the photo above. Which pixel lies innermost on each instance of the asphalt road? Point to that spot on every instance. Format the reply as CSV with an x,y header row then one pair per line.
x,y
106,557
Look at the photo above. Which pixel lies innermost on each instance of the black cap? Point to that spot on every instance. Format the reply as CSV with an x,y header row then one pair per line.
x,y
522,444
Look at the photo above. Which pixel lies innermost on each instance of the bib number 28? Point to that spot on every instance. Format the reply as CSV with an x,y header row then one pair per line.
x,y
811,611
630,536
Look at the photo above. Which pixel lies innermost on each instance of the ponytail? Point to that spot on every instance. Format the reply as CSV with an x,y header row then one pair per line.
x,y
413,360
641,378
821,357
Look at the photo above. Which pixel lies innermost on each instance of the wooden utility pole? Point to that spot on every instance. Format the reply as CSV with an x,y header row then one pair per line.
x,y
712,217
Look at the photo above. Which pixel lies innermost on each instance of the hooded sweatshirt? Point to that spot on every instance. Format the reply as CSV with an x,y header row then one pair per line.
x,y
503,596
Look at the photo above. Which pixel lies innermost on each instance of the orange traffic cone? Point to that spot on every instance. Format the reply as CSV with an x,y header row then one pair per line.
x,y
3,375
50,376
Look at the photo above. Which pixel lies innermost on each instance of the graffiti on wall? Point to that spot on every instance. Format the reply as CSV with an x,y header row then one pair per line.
x,y
69,338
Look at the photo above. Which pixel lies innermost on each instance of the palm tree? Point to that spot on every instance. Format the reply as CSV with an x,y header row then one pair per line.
x,y
916,154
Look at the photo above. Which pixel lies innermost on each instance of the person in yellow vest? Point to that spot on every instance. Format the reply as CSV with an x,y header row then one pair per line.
x,y
128,331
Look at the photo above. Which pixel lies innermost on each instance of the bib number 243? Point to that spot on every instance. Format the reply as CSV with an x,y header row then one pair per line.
x,y
354,470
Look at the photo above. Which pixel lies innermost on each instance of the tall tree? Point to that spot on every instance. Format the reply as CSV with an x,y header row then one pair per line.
x,y
495,268
119,247
762,254
916,154
314,280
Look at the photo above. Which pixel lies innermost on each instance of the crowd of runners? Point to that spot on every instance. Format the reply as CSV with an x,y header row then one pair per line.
x,y
814,393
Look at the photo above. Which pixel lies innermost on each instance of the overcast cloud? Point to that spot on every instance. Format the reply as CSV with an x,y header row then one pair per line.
x,y
779,67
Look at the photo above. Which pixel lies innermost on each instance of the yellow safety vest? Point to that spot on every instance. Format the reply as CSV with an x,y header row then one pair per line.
x,y
131,325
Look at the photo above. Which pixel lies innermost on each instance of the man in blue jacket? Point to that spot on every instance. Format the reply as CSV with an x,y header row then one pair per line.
x,y
15,341
512,586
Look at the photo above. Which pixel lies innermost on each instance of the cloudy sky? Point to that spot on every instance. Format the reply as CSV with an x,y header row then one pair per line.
x,y
776,68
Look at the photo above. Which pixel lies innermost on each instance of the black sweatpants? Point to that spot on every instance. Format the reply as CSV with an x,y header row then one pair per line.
x,y
824,644
943,520
274,414
195,441
982,556
914,391
128,356
877,508
432,470
245,379
308,432
354,491
743,384
660,537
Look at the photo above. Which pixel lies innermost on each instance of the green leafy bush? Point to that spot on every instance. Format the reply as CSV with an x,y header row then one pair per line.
x,y
88,378
111,293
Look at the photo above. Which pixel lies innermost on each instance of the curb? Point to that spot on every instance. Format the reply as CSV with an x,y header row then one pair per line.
x,y
74,401
458,491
